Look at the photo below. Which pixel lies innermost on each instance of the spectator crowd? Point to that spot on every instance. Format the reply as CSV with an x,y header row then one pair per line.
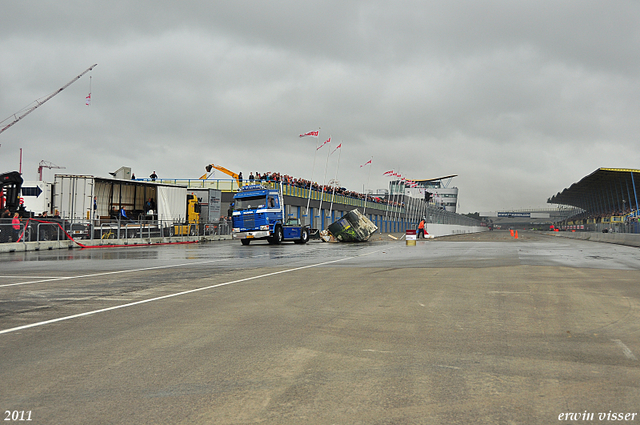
x,y
270,177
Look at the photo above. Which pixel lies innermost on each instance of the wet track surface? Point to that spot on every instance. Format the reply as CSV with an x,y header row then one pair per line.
x,y
465,329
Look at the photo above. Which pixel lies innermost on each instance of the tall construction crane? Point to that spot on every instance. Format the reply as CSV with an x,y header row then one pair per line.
x,y
39,103
46,164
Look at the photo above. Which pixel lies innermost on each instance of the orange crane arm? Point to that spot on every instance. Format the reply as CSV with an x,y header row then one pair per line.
x,y
221,168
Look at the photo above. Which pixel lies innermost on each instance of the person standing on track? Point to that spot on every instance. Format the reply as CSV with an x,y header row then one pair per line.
x,y
421,229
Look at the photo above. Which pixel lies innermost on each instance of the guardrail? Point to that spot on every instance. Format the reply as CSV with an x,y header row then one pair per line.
x,y
40,229
629,226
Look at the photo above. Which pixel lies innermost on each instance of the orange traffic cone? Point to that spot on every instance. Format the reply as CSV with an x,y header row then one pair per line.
x,y
516,234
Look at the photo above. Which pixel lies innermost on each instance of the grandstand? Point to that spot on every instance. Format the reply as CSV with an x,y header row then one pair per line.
x,y
607,198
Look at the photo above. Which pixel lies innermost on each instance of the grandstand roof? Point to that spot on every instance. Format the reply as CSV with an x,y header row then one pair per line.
x,y
438,178
603,189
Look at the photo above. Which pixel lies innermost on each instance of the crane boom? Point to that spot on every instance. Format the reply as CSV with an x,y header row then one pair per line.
x,y
46,164
33,108
221,168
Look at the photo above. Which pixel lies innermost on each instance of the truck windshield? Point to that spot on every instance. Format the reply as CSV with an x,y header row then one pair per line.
x,y
250,202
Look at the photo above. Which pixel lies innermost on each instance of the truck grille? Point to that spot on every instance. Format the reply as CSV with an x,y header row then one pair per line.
x,y
249,221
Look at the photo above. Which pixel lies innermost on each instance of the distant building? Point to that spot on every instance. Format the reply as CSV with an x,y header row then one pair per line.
x,y
437,191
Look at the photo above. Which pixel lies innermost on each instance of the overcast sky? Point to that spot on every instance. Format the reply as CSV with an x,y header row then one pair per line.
x,y
520,99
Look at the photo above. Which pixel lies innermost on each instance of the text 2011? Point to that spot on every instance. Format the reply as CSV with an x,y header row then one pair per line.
x,y
17,415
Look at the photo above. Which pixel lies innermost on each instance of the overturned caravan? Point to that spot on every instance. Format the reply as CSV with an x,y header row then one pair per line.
x,y
352,227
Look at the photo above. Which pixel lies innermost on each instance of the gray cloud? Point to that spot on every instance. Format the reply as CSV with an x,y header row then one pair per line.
x,y
520,99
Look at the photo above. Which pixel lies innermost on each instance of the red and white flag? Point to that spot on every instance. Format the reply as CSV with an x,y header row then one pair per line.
x,y
311,134
337,147
388,173
87,100
368,162
325,142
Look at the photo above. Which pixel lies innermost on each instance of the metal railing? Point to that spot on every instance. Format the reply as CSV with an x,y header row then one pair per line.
x,y
8,233
631,226
620,223
32,230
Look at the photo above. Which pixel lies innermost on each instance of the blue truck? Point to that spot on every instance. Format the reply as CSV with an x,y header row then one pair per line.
x,y
258,214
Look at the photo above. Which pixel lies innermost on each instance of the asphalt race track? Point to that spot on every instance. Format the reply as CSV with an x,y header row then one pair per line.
x,y
469,329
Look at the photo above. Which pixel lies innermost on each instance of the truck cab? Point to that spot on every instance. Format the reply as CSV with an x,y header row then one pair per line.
x,y
193,218
258,214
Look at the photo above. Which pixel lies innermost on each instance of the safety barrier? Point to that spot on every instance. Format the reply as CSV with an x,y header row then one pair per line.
x,y
38,229
8,233
604,226
628,239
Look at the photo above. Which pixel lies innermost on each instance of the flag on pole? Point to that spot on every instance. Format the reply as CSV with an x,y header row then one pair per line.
x,y
368,162
388,173
325,142
337,147
87,100
311,133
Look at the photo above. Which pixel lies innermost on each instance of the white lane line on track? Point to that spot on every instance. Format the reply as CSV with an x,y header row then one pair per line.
x,y
177,294
168,266
625,350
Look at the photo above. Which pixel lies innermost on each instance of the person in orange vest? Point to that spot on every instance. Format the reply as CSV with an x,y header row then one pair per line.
x,y
421,229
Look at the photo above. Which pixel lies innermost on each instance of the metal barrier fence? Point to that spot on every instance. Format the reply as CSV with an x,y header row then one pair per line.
x,y
626,227
8,233
31,230
609,224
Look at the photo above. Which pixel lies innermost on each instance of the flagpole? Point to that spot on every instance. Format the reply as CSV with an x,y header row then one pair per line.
x,y
324,180
391,199
386,212
335,179
403,198
394,214
365,191
311,180
399,202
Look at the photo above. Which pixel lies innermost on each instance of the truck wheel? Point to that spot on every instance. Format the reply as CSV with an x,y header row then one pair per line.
x,y
304,237
277,236
245,241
